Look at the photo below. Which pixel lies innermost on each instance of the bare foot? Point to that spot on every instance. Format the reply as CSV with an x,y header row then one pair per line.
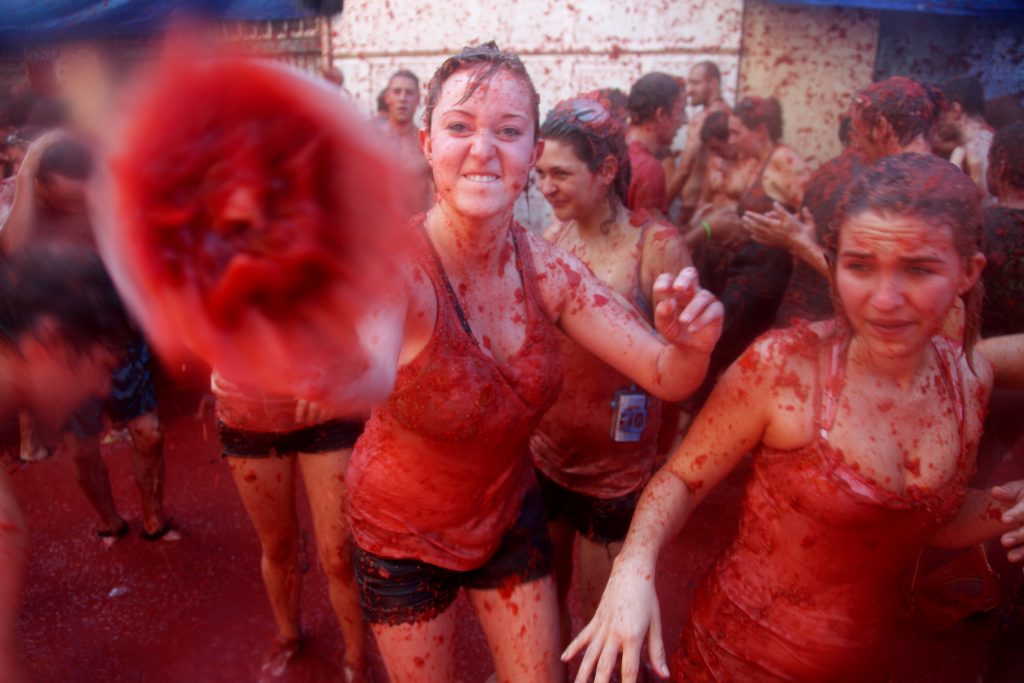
x,y
35,453
112,535
282,652
165,532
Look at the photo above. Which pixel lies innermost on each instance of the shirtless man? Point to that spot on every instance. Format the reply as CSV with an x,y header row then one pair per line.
x,y
721,174
402,97
657,110
966,115
704,84
49,207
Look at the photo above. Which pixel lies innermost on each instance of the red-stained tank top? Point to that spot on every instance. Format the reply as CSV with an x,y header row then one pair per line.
x,y
441,468
814,579
573,445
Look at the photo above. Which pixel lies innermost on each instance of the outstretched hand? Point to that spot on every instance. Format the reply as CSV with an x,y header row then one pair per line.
x,y
686,315
627,613
780,228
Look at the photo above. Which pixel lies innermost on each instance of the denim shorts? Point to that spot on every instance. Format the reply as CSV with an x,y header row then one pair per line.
x,y
602,520
328,436
405,591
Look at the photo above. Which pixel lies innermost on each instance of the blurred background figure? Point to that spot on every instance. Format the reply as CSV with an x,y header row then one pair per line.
x,y
59,340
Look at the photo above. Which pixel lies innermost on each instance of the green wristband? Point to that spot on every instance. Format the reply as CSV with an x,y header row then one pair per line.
x,y
707,229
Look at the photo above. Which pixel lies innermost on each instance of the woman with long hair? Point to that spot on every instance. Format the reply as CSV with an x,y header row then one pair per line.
x,y
865,431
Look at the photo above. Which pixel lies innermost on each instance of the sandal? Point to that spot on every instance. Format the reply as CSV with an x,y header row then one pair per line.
x,y
166,530
111,536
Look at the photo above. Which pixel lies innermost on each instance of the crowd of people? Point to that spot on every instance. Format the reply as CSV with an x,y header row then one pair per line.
x,y
556,405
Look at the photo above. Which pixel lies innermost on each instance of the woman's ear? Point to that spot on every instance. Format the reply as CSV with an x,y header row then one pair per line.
x,y
609,169
538,151
971,272
425,144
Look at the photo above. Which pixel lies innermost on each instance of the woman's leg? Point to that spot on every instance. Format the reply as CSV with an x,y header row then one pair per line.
x,y
521,624
562,537
324,474
13,551
420,652
595,566
267,487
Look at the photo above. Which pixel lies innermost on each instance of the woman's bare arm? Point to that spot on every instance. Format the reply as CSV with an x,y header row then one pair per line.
x,y
670,364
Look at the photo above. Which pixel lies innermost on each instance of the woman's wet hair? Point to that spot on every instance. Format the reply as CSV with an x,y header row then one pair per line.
x,y
928,188
1008,150
968,93
715,127
594,134
754,111
485,60
66,285
911,108
612,99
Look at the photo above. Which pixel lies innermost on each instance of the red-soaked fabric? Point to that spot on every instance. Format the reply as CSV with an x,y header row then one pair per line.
x,y
573,445
440,470
253,212
816,575
647,183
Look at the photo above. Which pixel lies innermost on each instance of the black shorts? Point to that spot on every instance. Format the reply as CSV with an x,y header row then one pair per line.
x,y
408,591
325,437
602,520
131,394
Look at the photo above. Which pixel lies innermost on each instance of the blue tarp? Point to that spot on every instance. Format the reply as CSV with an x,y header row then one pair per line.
x,y
26,22
966,7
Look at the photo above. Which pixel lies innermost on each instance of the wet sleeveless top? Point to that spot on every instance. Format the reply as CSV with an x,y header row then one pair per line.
x,y
440,471
814,578
573,445
755,198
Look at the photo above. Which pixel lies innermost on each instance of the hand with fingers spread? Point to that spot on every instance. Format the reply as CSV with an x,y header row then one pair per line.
x,y
797,235
780,228
686,315
628,612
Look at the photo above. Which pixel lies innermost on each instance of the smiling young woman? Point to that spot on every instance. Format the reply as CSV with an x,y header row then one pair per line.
x,y
595,448
442,491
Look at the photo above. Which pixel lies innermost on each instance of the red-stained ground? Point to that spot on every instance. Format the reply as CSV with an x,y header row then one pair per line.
x,y
195,610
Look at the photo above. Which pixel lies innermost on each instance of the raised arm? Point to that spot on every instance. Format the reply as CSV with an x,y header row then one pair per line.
x,y
688,319
17,229
730,425
780,228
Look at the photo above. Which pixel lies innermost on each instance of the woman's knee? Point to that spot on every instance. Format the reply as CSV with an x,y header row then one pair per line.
x,y
147,433
280,548
336,560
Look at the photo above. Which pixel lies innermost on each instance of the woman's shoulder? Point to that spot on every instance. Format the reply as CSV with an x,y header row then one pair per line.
x,y
553,231
785,157
785,351
801,340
